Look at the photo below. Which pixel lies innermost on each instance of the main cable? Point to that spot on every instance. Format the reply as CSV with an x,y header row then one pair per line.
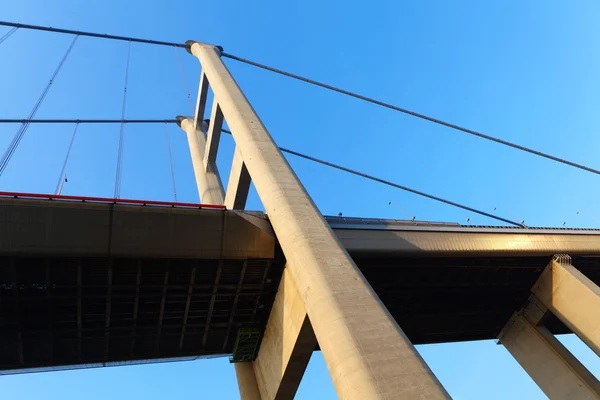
x,y
12,147
90,34
412,113
395,185
122,129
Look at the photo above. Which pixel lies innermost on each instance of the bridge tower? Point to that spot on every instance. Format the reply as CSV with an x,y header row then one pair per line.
x,y
323,298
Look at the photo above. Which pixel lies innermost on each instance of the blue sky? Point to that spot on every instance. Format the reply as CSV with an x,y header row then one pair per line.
x,y
522,71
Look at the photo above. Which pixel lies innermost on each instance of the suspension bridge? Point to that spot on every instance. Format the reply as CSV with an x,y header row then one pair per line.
x,y
91,281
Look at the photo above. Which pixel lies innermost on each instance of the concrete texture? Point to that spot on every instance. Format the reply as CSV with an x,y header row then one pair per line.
x,y
366,352
67,229
287,344
246,381
553,368
210,188
473,241
573,298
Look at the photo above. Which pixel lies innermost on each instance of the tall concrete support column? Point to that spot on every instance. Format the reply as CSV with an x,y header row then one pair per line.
x,y
573,298
208,181
287,345
552,367
367,354
247,381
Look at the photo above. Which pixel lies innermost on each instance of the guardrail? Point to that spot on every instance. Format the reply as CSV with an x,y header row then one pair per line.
x,y
18,195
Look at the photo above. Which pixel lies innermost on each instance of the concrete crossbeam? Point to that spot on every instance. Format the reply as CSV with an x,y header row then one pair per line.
x,y
287,345
573,298
213,135
552,367
366,352
238,185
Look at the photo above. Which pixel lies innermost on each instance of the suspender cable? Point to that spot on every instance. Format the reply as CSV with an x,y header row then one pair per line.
x,y
187,89
171,162
412,113
7,34
12,147
395,185
122,130
64,166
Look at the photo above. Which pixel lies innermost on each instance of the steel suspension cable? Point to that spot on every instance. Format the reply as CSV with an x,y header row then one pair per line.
x,y
89,34
187,89
316,83
12,147
64,166
171,162
122,129
7,34
395,185
412,113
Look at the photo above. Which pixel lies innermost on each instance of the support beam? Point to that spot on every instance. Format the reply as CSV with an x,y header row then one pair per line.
x,y
161,313
553,368
136,304
367,354
246,381
238,185
201,101
188,301
573,298
287,344
235,304
79,309
212,303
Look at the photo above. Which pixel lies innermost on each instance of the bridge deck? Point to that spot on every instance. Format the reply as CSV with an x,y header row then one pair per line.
x,y
96,284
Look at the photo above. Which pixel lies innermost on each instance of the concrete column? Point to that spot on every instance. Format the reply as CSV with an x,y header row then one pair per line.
x,y
367,354
210,188
573,298
238,185
553,368
246,381
287,344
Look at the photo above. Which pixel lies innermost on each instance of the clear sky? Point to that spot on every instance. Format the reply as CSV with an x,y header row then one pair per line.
x,y
522,71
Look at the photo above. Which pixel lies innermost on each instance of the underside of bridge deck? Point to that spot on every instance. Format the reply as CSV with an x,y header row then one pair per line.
x,y
91,297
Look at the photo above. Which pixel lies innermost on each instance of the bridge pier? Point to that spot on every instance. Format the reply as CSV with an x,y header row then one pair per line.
x,y
246,379
366,352
287,345
574,299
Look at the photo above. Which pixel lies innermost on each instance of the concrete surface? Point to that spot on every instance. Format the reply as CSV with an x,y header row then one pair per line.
x,y
366,352
573,298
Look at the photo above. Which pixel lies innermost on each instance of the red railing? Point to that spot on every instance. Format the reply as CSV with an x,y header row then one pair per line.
x,y
17,195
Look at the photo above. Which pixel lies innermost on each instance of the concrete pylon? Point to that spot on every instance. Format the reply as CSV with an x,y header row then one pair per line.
x,y
573,298
367,354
